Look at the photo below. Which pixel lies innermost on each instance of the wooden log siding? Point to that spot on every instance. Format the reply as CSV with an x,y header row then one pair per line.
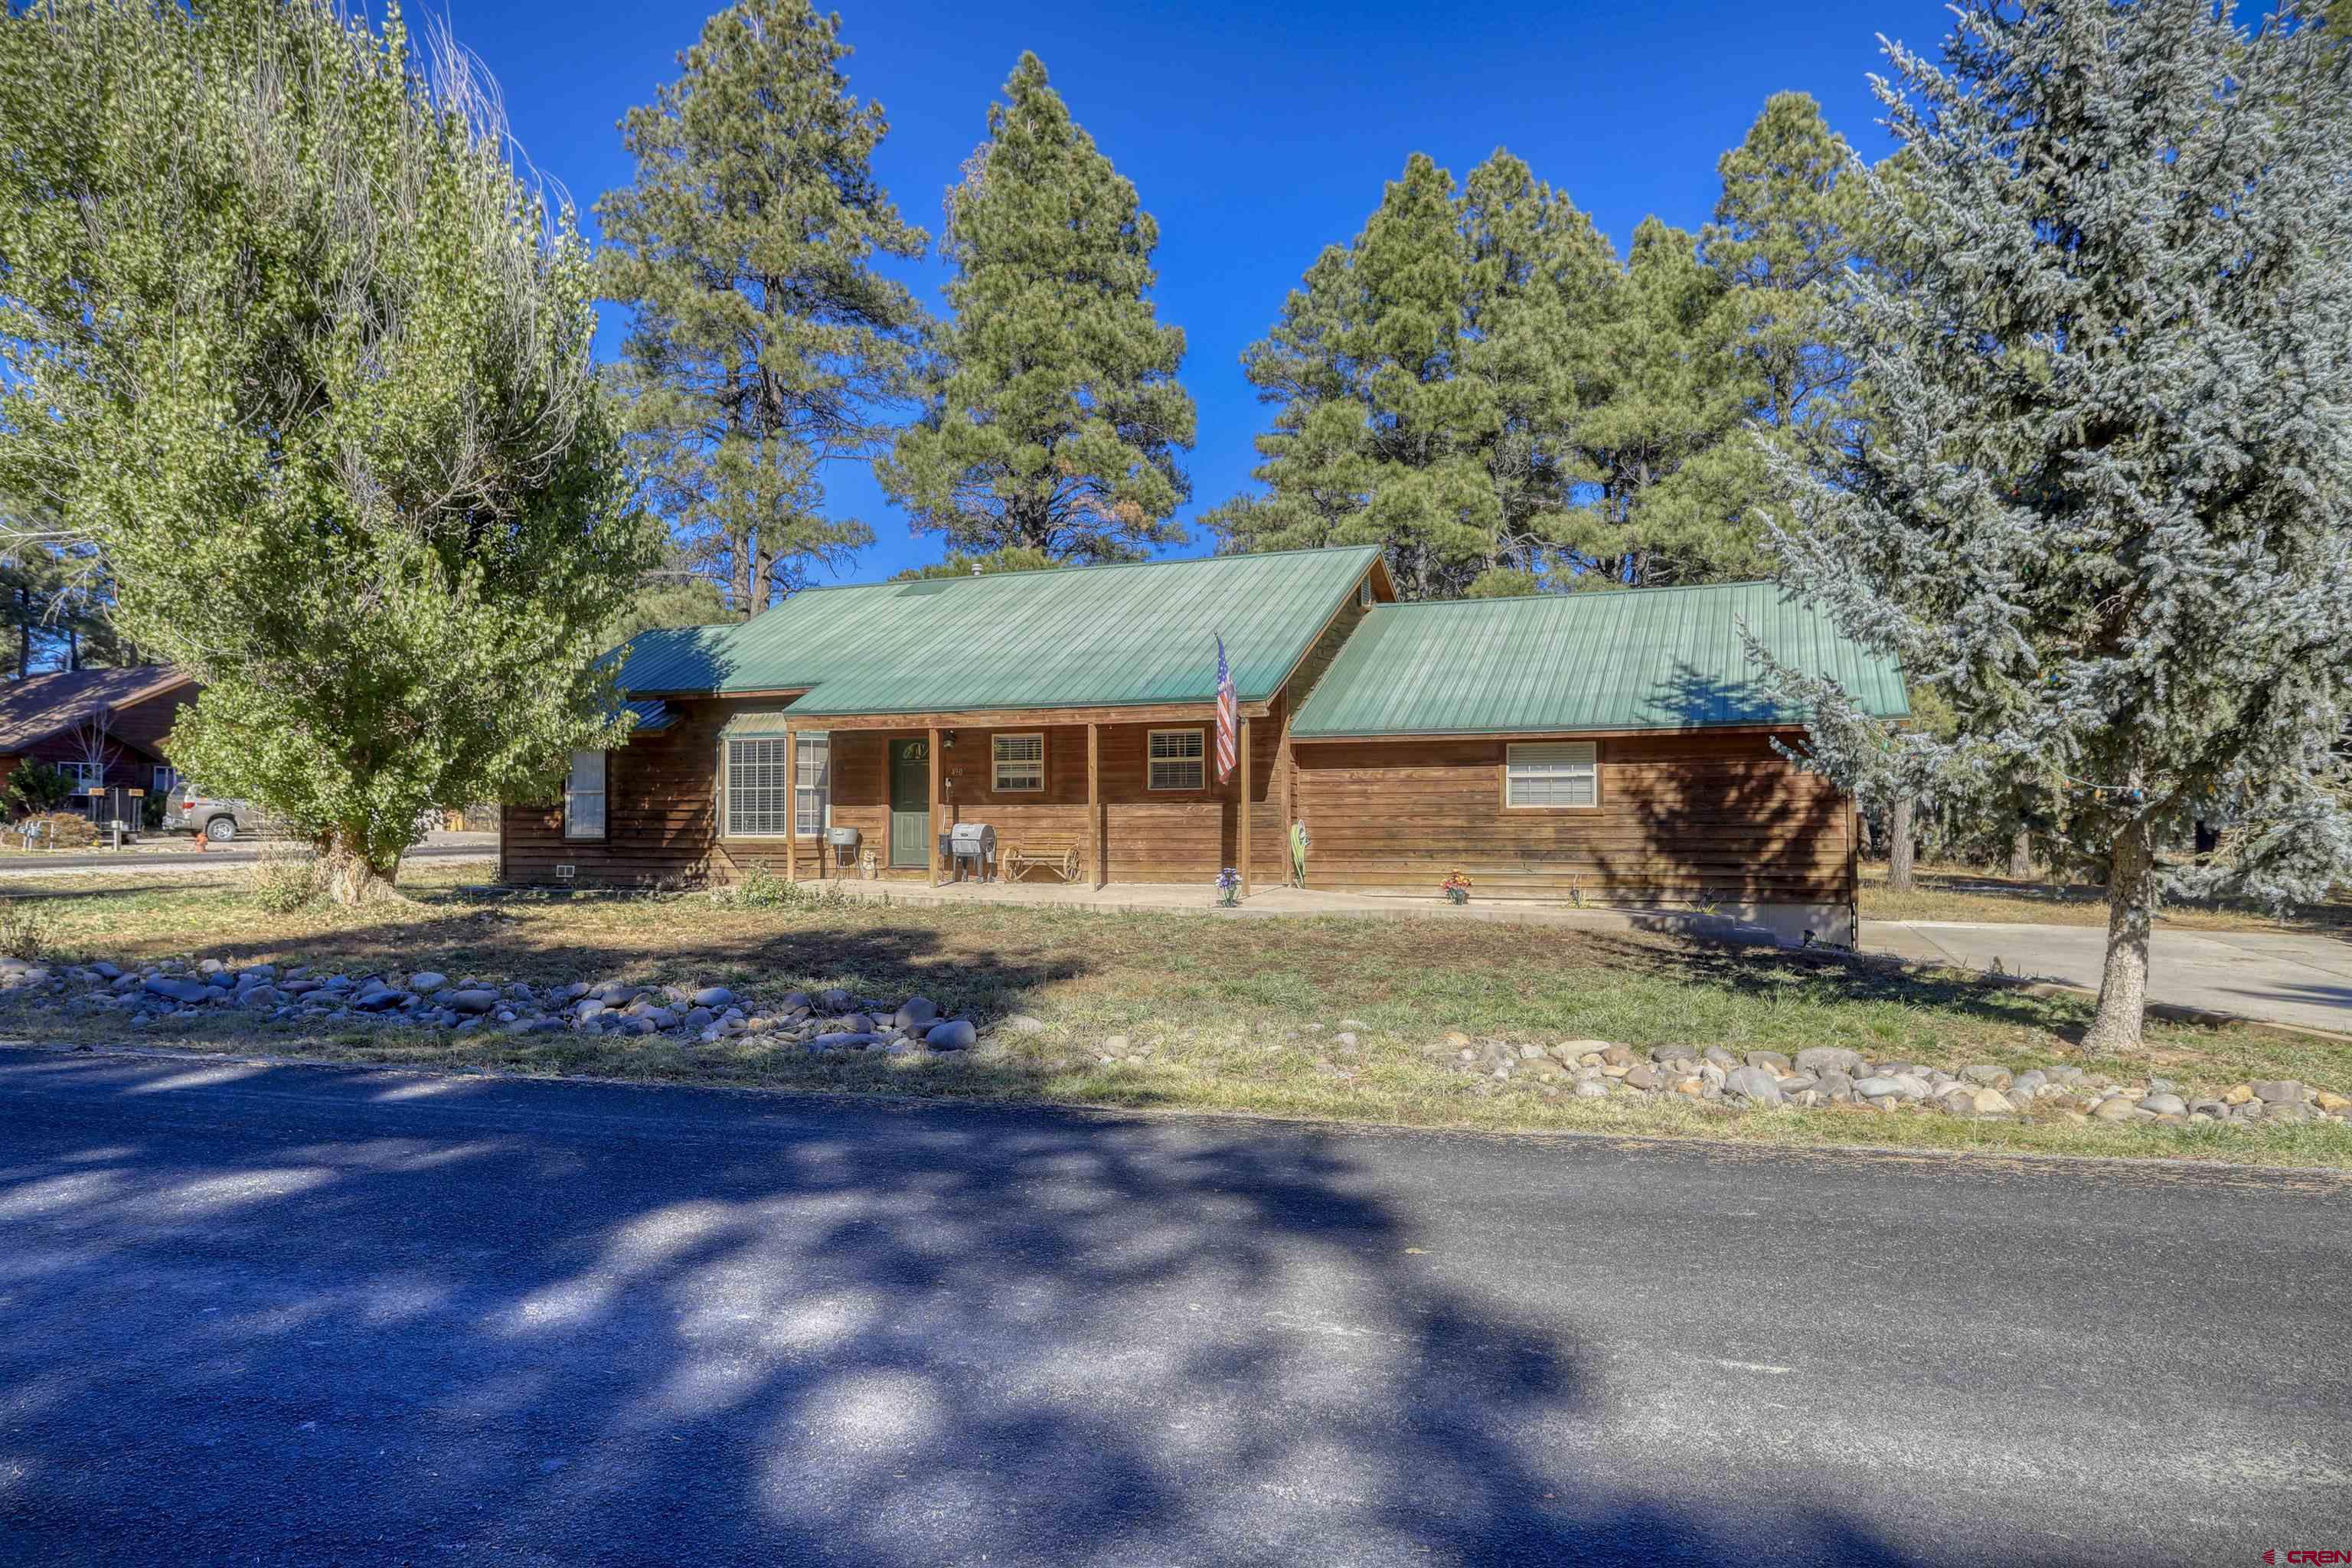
x,y
1682,817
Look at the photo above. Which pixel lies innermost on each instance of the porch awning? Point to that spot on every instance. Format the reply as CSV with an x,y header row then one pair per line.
x,y
772,723
652,716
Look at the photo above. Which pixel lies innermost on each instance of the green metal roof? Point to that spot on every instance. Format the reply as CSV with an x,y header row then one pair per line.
x,y
1642,658
1075,637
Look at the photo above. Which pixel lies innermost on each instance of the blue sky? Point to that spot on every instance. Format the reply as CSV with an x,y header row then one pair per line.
x,y
1257,134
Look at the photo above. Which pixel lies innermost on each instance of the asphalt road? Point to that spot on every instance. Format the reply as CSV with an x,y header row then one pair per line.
x,y
440,847
292,1315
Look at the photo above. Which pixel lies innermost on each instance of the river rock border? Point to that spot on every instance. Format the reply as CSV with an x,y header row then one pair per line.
x,y
826,1021
836,1020
1835,1074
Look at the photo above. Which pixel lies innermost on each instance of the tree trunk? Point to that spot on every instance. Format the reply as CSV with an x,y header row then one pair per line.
x,y
2131,909
2021,856
352,877
1899,846
1861,833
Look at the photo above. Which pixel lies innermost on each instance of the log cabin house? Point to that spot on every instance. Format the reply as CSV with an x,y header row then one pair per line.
x,y
102,728
1610,747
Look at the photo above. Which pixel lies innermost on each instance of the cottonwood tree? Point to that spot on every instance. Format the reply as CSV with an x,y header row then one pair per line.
x,y
289,340
2100,497
763,344
1054,422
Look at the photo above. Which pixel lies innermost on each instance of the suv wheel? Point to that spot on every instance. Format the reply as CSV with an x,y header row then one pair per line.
x,y
221,829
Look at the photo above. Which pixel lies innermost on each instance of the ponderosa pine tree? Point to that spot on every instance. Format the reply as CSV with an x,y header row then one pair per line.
x,y
1663,430
1788,227
2100,497
287,339
1423,378
1055,421
763,343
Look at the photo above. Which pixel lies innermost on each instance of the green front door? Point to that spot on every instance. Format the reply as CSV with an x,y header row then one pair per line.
x,y
911,802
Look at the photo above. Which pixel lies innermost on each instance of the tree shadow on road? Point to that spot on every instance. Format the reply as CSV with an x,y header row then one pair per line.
x,y
549,1320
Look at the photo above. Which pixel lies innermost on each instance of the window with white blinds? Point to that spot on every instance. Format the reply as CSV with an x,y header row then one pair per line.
x,y
1554,774
583,797
1178,759
759,789
812,789
1020,761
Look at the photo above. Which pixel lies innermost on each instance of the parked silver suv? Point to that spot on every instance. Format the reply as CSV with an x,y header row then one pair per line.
x,y
220,821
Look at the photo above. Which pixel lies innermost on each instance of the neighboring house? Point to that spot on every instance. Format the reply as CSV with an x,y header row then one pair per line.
x,y
104,727
1612,747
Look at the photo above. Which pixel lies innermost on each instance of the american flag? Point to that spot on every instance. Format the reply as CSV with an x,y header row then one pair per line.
x,y
1229,718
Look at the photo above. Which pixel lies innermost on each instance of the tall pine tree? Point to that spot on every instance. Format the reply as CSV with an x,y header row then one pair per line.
x,y
2100,499
1055,421
764,343
1423,378
1664,430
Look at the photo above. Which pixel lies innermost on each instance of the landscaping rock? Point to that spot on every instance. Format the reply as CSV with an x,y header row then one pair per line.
x,y
2165,1105
840,1041
1820,1059
916,1013
176,989
467,1001
1756,1083
1672,1054
2286,1091
427,981
1901,1085
1774,1060
712,997
956,1035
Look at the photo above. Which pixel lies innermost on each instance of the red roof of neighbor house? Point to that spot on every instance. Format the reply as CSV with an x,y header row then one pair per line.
x,y
39,706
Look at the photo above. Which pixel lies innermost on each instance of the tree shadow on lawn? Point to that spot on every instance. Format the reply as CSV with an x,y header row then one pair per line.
x,y
1766,974
544,1321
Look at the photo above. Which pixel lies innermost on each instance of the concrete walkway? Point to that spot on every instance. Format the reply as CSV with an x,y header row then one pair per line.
x,y
2284,977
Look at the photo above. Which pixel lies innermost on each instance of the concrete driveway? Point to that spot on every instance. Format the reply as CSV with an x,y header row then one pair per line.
x,y
2288,979
299,1316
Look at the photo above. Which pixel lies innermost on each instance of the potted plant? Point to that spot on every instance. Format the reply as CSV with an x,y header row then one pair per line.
x,y
1457,887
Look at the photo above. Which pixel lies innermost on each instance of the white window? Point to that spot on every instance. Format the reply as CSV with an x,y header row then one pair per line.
x,y
1020,761
813,791
583,797
759,788
1558,774
1178,759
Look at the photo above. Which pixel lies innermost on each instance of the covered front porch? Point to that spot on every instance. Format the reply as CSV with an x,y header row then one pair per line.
x,y
1080,799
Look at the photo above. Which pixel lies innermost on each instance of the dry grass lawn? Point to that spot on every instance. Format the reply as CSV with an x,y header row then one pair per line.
x,y
1227,1016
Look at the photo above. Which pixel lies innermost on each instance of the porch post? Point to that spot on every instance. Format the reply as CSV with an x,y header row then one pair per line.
x,y
931,849
793,802
1095,804
1241,822
1281,790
